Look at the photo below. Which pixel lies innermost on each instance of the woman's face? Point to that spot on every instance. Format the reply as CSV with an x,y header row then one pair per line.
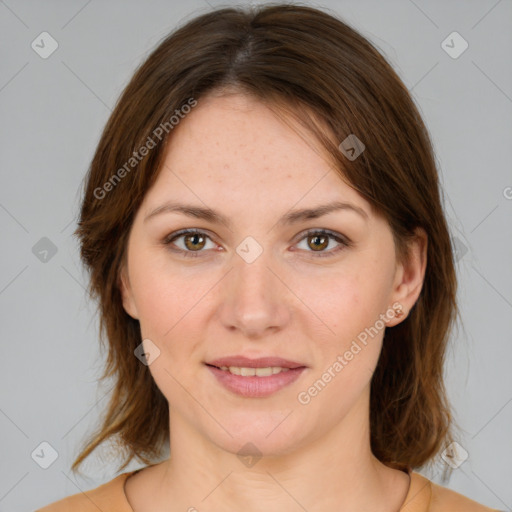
x,y
258,286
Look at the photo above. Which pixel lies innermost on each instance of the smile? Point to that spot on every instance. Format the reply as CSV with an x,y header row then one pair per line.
x,y
255,382
251,372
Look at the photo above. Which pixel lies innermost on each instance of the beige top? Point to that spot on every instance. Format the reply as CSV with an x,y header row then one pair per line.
x,y
423,496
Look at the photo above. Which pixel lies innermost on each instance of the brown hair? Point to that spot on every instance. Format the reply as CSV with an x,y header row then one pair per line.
x,y
308,63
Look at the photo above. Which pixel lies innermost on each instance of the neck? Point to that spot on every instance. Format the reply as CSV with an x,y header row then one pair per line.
x,y
334,472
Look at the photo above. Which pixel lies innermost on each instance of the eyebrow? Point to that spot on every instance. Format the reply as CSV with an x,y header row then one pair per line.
x,y
292,217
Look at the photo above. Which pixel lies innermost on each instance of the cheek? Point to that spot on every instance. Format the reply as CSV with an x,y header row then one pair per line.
x,y
348,351
172,304
345,303
349,304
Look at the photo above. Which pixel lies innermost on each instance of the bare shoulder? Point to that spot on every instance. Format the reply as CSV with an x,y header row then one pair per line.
x,y
108,496
76,502
444,499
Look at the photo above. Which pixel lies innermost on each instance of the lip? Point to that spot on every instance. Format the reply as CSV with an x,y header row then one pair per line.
x,y
261,362
254,386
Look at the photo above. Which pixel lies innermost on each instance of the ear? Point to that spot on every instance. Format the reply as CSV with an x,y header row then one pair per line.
x,y
409,277
126,293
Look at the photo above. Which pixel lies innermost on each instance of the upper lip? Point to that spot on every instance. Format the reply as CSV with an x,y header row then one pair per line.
x,y
261,362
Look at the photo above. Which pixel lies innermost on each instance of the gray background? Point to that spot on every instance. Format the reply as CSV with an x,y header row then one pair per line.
x,y
52,113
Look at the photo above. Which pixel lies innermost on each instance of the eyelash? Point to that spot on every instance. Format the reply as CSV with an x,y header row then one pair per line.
x,y
345,242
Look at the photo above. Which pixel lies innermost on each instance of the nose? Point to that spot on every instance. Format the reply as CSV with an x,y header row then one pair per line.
x,y
254,298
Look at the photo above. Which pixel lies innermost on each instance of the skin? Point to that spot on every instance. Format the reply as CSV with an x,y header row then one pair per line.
x,y
234,155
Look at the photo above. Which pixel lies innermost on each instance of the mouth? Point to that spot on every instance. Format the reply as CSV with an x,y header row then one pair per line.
x,y
256,378
260,362
245,371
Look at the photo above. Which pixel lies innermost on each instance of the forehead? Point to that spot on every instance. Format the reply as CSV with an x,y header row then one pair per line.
x,y
240,131
234,148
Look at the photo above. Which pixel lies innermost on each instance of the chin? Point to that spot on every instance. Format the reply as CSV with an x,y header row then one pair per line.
x,y
259,434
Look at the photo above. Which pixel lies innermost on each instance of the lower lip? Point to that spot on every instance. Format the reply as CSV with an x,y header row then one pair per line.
x,y
256,387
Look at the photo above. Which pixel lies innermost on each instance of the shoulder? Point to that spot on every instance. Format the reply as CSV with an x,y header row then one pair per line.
x,y
435,498
447,499
105,497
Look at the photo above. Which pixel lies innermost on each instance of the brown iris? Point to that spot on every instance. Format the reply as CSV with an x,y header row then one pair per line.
x,y
323,245
194,236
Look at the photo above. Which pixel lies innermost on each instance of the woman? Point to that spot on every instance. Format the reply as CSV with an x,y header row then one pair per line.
x,y
265,236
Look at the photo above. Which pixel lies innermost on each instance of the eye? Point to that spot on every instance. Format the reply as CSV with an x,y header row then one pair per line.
x,y
319,240
195,240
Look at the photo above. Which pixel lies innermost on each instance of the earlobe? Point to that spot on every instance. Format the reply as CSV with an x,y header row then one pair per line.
x,y
410,277
126,294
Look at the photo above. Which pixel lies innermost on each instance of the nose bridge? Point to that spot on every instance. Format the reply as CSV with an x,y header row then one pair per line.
x,y
252,277
254,299
251,273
